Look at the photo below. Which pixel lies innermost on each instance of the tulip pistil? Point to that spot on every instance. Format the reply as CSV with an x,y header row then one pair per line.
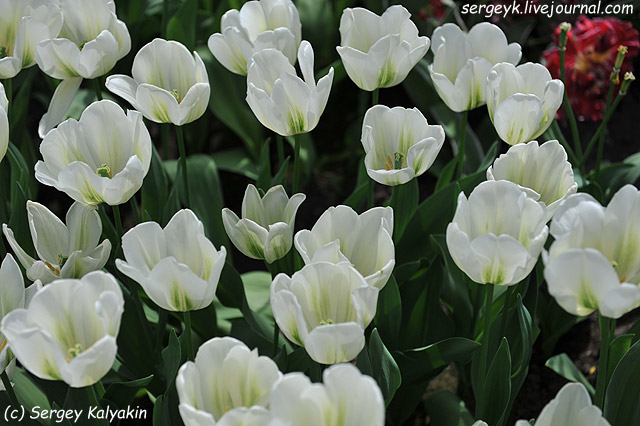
x,y
398,162
75,351
176,95
104,171
327,321
62,260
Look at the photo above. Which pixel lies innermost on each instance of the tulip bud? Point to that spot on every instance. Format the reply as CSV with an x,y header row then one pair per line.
x,y
4,122
565,27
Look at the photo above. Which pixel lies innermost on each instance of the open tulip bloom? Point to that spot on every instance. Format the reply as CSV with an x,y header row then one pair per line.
x,y
227,385
68,250
399,144
102,158
364,241
379,51
169,84
346,398
4,122
282,101
594,262
522,100
68,332
543,169
178,267
258,25
497,233
266,228
462,62
325,308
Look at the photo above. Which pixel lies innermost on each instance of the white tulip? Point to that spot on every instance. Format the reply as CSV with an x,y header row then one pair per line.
x,y
542,169
102,158
399,144
282,101
341,235
594,262
258,25
346,398
571,407
522,100
13,295
266,228
68,332
497,234
4,122
227,385
65,251
169,84
178,267
23,24
462,62
325,308
379,51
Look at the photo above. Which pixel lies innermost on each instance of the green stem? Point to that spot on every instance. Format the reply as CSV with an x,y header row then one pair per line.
x,y
165,17
296,164
505,309
276,336
93,401
280,147
161,327
164,134
135,209
602,126
560,136
97,88
484,350
370,193
375,95
7,385
569,111
462,141
183,165
606,333
602,134
118,223
187,330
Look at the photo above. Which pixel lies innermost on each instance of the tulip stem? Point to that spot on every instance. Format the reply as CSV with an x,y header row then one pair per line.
x,y
569,111
135,209
93,400
276,335
505,310
187,331
118,222
183,164
7,385
296,164
484,350
601,128
374,97
97,88
607,331
280,145
462,141
602,134
161,327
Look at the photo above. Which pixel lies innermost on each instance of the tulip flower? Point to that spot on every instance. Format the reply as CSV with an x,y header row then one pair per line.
x,y
497,233
266,228
325,308
364,241
13,295
65,251
228,384
4,122
178,267
594,262
462,62
379,51
282,101
571,407
399,144
68,332
103,157
346,398
23,24
543,169
258,25
522,100
169,84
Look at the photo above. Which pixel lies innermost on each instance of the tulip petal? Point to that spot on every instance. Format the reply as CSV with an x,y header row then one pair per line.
x,y
50,236
123,86
84,227
11,286
334,343
518,117
59,105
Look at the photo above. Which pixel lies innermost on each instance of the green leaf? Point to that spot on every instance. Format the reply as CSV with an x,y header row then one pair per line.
x,y
29,394
447,174
171,357
622,403
385,369
494,398
257,285
446,409
618,349
154,188
235,160
404,200
489,157
563,365
182,25
123,393
389,312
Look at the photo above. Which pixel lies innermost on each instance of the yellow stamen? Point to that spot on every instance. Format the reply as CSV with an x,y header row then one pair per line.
x,y
53,269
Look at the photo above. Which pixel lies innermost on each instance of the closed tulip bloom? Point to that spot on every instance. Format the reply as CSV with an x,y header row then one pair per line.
x,y
169,84
23,24
258,25
399,144
4,122
68,332
497,233
364,241
282,101
227,385
543,169
178,267
462,62
13,295
379,51
594,262
571,407
102,158
346,398
522,100
325,308
266,228
68,250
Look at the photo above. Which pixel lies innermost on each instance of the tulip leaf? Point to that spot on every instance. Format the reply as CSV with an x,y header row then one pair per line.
x,y
622,403
161,412
489,157
171,357
154,188
257,285
389,312
235,160
182,25
446,175
384,367
563,365
404,201
123,393
618,349
446,409
358,197
494,398
28,393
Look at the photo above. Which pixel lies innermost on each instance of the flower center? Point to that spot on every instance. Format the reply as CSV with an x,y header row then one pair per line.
x,y
176,95
75,351
398,162
53,268
326,321
4,343
104,171
588,58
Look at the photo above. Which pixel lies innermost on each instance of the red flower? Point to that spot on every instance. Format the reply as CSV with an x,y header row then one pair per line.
x,y
592,48
435,9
